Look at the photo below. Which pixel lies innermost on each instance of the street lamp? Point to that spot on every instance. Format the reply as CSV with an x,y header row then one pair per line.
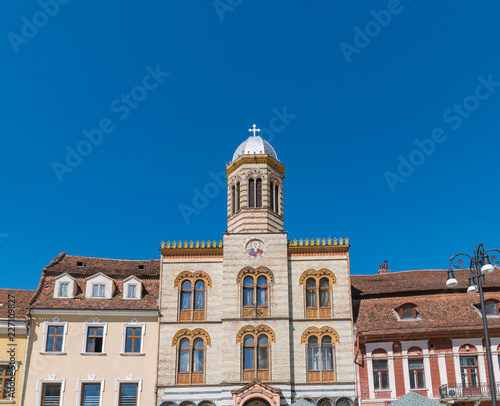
x,y
479,266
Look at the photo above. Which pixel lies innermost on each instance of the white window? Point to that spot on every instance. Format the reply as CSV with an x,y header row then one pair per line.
x,y
98,290
65,286
94,338
132,288
132,291
133,338
128,392
63,289
54,336
50,392
90,391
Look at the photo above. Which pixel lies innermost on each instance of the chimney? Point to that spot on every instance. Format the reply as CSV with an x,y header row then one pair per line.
x,y
383,268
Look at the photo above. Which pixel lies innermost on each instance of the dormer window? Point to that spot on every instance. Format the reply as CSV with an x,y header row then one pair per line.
x,y
142,267
98,290
132,289
491,307
99,286
80,264
407,312
63,289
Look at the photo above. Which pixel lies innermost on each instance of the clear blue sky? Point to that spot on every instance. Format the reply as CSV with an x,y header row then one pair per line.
x,y
175,86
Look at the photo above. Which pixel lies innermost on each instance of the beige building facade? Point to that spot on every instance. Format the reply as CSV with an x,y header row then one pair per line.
x,y
255,318
94,334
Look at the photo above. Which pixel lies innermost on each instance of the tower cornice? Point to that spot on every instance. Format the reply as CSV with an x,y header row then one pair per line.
x,y
256,159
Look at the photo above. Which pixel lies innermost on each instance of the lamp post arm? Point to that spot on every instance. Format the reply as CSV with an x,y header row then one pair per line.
x,y
487,343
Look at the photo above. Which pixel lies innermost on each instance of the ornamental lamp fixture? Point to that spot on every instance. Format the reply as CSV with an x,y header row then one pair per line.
x,y
472,286
487,267
479,265
451,282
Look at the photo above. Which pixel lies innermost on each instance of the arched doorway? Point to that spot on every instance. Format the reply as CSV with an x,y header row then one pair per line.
x,y
256,402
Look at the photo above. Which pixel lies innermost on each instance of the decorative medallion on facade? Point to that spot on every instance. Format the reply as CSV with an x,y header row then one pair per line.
x,y
191,334
322,273
319,332
261,270
256,331
192,276
255,248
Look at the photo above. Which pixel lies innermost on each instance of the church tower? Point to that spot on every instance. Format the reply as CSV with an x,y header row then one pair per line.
x,y
255,188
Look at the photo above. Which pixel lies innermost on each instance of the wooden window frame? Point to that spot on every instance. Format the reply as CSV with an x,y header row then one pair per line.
x,y
133,337
5,381
94,336
379,372
322,374
120,392
249,310
260,373
87,383
42,383
318,311
415,372
56,335
407,305
193,377
192,314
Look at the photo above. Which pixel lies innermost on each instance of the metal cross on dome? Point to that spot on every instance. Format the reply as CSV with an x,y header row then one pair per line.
x,y
254,130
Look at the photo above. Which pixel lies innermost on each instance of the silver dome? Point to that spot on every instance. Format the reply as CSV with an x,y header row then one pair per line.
x,y
254,145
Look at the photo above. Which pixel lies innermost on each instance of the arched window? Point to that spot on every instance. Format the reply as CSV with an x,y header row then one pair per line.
x,y
233,199
271,196
311,294
276,199
251,193
191,361
186,295
320,356
255,296
318,293
380,369
255,358
258,193
238,196
192,301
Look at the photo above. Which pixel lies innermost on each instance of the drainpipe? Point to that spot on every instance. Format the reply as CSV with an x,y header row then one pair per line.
x,y
25,367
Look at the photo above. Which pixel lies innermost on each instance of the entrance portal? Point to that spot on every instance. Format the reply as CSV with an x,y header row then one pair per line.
x,y
256,402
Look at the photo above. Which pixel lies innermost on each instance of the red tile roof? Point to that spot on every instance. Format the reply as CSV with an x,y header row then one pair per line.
x,y
414,282
375,298
118,270
21,301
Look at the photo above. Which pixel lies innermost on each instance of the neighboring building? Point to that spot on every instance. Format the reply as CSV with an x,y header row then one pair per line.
x,y
13,338
256,319
94,338
414,334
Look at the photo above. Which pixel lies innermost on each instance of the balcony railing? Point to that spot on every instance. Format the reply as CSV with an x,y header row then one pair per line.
x,y
467,391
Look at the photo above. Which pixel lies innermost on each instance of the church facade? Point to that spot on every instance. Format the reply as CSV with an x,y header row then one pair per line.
x,y
255,318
